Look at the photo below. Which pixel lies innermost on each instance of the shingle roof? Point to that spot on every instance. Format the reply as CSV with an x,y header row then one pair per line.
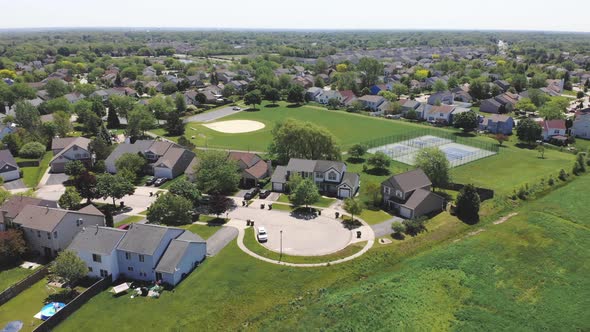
x,y
409,181
172,256
144,239
6,158
81,142
97,240
91,209
15,204
324,165
301,165
351,179
279,175
419,196
258,170
40,218
138,146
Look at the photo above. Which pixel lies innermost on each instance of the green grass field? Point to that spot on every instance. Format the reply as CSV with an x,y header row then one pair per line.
x,y
348,128
11,276
322,202
32,175
204,231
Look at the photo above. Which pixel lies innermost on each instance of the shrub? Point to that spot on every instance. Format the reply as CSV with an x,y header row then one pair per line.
x,y
415,226
563,175
32,150
551,181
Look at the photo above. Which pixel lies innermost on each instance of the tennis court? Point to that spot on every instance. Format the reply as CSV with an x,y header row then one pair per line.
x,y
457,154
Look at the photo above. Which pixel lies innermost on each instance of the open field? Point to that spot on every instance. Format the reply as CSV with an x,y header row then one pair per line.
x,y
513,275
11,276
348,128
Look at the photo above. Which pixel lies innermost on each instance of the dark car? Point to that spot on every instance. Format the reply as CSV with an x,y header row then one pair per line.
x,y
264,193
251,193
160,181
150,181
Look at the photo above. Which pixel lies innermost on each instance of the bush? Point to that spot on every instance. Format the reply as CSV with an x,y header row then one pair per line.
x,y
563,175
32,150
414,226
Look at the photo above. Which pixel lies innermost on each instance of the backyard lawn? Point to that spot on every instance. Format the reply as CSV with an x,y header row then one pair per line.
x,y
129,220
13,275
32,175
347,127
204,231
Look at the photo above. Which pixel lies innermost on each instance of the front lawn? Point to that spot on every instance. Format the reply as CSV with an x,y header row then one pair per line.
x,y
204,231
373,217
322,202
9,277
169,183
32,175
129,220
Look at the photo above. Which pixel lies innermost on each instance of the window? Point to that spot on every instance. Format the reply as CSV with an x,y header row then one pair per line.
x,y
130,268
127,256
319,175
90,269
86,155
332,176
96,258
104,273
38,233
55,235
556,131
79,222
75,147
48,235
441,114
77,156
387,190
141,258
399,194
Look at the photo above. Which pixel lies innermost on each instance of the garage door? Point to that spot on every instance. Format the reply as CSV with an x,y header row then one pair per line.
x,y
405,212
344,192
277,187
58,167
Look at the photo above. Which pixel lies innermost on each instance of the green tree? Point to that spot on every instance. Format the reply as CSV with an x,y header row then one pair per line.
x,y
357,151
528,131
20,91
180,103
253,98
113,186
33,150
67,268
467,121
63,125
169,88
296,94
27,116
140,120
435,165
468,203
85,185
398,229
305,193
56,88
170,209
131,162
101,148
379,160
122,105
216,174
12,246
186,189
373,191
273,95
70,199
526,105
414,226
305,140
353,206
90,121
219,204
370,69
13,142
439,86
113,119
174,124
541,150
74,168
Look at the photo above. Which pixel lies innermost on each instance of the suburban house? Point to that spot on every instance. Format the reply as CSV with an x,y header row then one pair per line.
x,y
443,97
553,129
68,149
15,204
371,102
503,85
253,168
96,246
152,252
497,124
74,97
331,177
48,231
313,92
190,169
165,159
581,126
408,104
409,194
325,96
439,114
503,103
348,96
9,169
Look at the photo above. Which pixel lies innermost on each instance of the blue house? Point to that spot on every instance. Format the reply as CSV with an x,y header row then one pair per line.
x,y
375,89
497,124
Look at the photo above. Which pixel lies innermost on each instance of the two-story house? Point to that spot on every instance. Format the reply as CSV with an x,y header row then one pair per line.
x,y
48,231
331,177
97,247
439,114
165,159
325,96
497,124
581,125
371,102
15,204
409,194
67,149
553,129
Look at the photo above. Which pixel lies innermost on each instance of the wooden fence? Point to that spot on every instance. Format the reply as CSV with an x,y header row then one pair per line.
x,y
22,285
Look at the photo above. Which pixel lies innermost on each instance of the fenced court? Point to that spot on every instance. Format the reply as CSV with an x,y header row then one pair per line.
x,y
459,150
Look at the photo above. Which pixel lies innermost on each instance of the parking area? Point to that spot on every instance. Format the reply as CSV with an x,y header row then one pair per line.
x,y
317,236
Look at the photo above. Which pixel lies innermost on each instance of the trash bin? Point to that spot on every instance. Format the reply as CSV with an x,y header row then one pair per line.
x,y
122,204
248,222
358,234
252,223
337,215
270,206
243,203
262,206
319,212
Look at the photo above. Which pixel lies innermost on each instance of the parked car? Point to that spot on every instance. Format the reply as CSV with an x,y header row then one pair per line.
x,y
236,108
262,235
264,193
251,193
150,181
160,181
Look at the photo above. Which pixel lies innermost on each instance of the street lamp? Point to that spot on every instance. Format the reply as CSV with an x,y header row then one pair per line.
x,y
281,256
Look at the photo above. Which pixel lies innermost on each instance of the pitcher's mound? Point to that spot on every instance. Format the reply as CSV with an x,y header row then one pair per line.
x,y
235,126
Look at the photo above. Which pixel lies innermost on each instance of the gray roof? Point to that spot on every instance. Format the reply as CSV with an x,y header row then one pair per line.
x,y
138,146
97,240
191,237
6,158
144,238
301,165
421,196
172,256
324,165
279,175
40,218
408,181
15,204
351,179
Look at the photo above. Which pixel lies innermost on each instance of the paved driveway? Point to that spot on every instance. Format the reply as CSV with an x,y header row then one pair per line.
x,y
211,116
384,228
15,184
51,192
304,237
138,202
220,239
56,178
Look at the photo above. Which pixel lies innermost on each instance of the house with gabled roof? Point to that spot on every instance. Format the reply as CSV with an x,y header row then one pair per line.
x,y
439,114
15,204
48,231
67,149
97,247
253,168
9,169
553,129
409,194
581,125
331,177
371,102
497,124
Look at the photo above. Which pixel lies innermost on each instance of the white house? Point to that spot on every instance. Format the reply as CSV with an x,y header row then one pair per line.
x,y
51,230
97,246
440,113
9,169
371,102
581,126
553,128
325,96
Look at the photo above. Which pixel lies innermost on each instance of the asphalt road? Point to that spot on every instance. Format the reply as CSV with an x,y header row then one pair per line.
x,y
220,239
211,116
384,228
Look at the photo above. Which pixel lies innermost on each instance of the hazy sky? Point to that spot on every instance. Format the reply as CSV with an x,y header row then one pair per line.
x,y
300,14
